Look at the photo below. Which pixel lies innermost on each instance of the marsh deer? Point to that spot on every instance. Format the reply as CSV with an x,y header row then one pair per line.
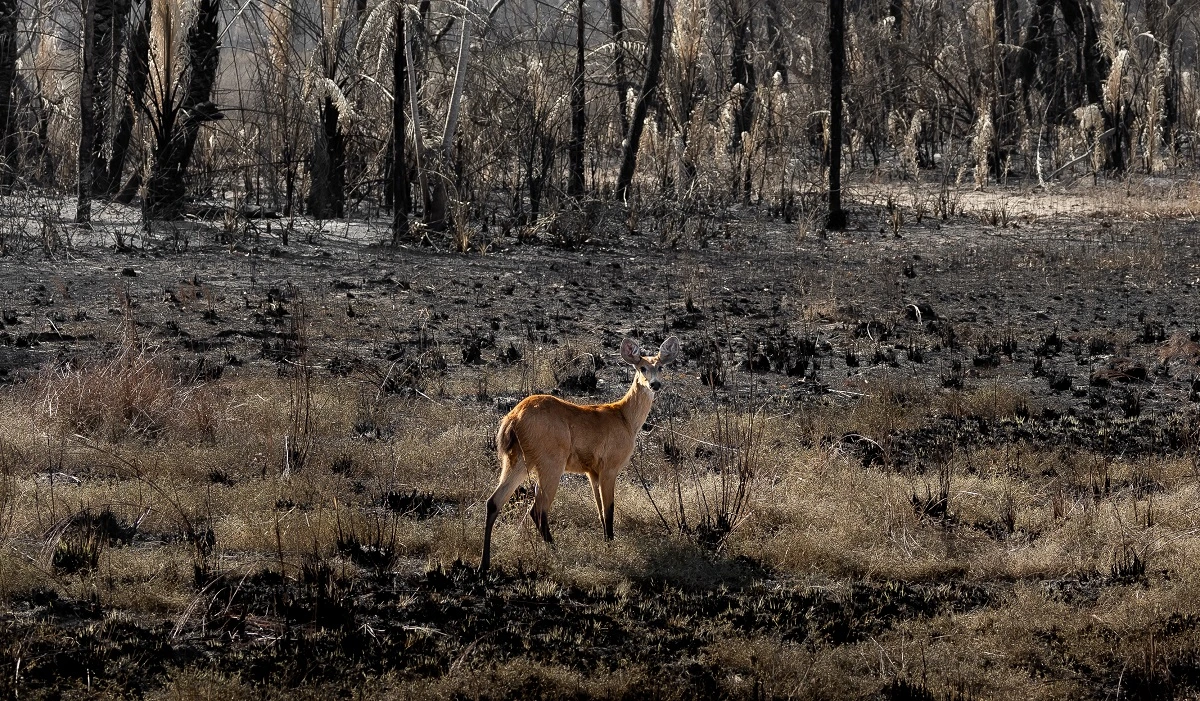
x,y
544,436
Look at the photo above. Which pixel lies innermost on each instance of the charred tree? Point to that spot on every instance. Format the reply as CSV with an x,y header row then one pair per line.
x,y
399,179
1005,103
327,161
537,168
179,124
775,45
616,18
327,195
1038,45
836,218
8,75
87,113
1039,66
1091,64
629,150
741,71
1067,79
578,111
137,72
437,207
108,45
896,12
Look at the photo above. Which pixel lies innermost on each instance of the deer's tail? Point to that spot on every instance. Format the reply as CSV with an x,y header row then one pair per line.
x,y
508,448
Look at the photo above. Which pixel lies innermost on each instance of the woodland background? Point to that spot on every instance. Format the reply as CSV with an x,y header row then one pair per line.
x,y
514,113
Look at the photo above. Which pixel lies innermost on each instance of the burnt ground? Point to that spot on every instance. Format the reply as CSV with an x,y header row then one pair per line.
x,y
320,630
1094,319
1092,322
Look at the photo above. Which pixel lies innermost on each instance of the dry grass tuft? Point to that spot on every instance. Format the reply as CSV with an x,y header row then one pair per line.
x,y
134,395
1179,347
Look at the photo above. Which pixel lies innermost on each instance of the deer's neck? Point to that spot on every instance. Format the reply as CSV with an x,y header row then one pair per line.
x,y
635,405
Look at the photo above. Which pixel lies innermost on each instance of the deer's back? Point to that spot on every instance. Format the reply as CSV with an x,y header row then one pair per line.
x,y
588,435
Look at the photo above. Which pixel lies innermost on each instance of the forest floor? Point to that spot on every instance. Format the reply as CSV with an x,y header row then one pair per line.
x,y
949,453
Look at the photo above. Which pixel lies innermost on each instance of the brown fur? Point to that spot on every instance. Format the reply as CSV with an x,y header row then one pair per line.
x,y
544,436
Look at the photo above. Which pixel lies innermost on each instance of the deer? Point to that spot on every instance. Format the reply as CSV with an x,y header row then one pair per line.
x,y
544,436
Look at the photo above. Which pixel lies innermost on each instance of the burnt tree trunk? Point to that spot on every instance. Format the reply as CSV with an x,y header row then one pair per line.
x,y
1039,69
137,72
542,150
778,55
176,136
437,210
87,113
399,180
616,17
1037,52
1092,65
8,75
638,121
896,12
108,45
1005,104
741,72
836,219
327,196
578,111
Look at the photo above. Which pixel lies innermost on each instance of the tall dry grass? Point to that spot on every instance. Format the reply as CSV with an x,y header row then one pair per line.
x,y
135,393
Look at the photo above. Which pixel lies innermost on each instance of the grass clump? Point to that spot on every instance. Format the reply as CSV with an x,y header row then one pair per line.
x,y
130,396
137,393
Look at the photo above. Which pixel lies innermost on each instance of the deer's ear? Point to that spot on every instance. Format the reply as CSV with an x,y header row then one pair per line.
x,y
630,352
668,351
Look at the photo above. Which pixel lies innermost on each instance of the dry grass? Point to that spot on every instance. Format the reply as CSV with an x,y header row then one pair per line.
x,y
1052,533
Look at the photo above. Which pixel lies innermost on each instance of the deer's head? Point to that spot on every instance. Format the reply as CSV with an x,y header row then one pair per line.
x,y
648,366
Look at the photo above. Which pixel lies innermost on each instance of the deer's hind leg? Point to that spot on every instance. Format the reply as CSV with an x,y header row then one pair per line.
x,y
594,480
513,472
608,488
549,470
540,511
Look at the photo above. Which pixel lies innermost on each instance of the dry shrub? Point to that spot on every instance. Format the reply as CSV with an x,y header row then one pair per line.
x,y
890,404
194,683
1179,347
710,484
9,501
132,395
136,394
995,401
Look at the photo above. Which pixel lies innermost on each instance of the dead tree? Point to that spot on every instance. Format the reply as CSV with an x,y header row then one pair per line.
x,y
399,180
836,219
741,73
616,17
99,96
775,45
629,151
419,152
176,120
437,195
741,69
897,12
108,39
578,111
327,185
1043,69
87,113
8,73
137,72
327,193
